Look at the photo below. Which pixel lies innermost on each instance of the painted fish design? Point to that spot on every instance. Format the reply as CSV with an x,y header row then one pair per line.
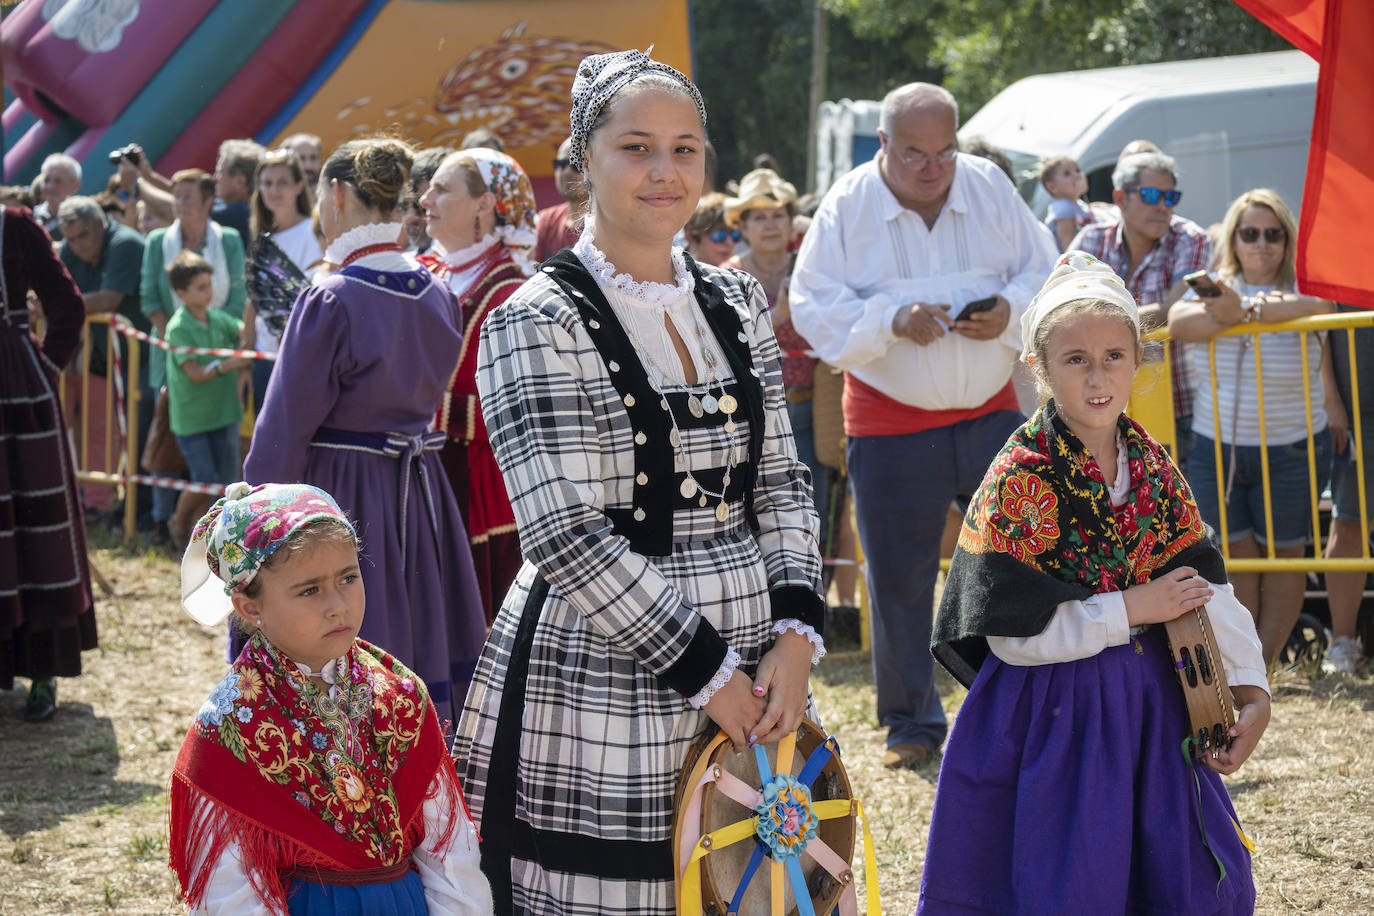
x,y
518,86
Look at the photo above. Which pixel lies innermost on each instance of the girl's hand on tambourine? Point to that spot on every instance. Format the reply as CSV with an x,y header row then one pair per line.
x,y
1252,716
783,673
735,708
1166,598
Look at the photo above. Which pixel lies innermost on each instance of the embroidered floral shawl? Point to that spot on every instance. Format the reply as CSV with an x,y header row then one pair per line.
x,y
301,779
1042,530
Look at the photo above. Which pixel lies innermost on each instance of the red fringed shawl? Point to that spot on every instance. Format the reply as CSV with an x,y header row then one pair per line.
x,y
299,780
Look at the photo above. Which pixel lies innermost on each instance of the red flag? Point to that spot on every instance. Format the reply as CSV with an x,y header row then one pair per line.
x,y
1338,197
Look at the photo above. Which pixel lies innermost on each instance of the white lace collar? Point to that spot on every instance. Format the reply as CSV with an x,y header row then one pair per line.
x,y
647,293
360,237
464,255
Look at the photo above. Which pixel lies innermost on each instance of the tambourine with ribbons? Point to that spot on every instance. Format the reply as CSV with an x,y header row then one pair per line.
x,y
790,804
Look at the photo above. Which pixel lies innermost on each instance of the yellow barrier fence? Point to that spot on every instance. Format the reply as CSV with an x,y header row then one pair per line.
x,y
1152,406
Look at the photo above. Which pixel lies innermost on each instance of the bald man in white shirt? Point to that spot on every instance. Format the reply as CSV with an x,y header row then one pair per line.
x,y
898,248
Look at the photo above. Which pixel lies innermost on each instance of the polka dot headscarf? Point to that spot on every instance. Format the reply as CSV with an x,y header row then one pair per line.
x,y
599,78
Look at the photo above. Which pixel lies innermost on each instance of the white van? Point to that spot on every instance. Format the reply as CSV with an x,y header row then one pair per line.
x,y
1232,123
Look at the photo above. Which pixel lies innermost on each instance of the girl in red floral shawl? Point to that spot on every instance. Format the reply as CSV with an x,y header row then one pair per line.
x,y
315,778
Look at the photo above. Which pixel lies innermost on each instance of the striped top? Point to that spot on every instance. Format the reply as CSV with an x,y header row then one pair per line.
x,y
1285,400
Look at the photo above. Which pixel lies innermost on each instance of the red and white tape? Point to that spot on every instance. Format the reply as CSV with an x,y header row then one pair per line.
x,y
123,326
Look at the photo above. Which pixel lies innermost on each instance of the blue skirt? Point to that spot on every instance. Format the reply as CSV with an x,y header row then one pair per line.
x,y
403,897
1064,790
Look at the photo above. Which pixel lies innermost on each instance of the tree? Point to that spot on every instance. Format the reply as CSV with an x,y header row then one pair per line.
x,y
753,56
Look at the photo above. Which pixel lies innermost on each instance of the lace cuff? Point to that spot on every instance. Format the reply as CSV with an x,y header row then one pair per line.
x,y
723,675
817,643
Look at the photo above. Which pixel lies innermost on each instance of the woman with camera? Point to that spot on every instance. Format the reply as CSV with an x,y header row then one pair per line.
x,y
1256,274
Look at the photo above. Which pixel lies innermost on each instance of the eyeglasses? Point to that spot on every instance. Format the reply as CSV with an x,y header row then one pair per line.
x,y
1251,234
721,235
562,163
917,160
1152,196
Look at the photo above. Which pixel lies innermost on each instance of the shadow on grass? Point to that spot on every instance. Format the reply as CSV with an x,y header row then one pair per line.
x,y
58,768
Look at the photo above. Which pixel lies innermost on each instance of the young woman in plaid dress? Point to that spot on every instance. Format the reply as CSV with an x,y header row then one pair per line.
x,y
671,577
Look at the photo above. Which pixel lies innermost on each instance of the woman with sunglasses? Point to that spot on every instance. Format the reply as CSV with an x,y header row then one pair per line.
x,y
1256,273
709,240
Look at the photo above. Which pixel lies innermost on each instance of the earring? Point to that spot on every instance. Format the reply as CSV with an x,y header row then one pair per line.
x,y
476,229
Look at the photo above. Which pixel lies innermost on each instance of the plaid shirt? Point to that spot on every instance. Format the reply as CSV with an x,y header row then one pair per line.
x,y
1186,247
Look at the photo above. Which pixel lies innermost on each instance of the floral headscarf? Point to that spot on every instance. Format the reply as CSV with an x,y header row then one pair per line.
x,y
507,181
230,543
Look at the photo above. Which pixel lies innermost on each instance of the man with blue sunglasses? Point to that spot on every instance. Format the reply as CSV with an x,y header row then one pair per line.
x,y
1153,249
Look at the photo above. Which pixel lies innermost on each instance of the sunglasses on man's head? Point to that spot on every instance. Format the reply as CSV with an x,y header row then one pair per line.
x,y
721,235
1251,234
562,163
1152,196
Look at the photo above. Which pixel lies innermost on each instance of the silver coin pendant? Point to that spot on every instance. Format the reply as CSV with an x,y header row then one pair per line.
x,y
710,404
722,512
694,407
689,488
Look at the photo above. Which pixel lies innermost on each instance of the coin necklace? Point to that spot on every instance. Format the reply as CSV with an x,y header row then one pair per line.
x,y
726,403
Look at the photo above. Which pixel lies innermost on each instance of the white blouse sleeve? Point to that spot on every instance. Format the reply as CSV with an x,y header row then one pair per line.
x,y
1078,629
229,890
1239,644
452,874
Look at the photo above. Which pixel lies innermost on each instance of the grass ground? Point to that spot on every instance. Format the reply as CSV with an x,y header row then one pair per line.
x,y
82,798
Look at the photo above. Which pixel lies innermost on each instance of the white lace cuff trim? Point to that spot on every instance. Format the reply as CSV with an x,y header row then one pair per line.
x,y
817,643
661,294
717,683
360,237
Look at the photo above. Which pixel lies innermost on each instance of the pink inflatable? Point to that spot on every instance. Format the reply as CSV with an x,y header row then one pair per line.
x,y
91,56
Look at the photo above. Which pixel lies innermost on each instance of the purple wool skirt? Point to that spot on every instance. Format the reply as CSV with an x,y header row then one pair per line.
x,y
1064,790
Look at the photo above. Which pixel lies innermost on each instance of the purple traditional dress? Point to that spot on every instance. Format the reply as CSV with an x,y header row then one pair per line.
x,y
365,360
46,613
1065,787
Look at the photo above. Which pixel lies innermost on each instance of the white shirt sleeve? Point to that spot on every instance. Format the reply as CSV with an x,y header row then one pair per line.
x,y
1078,629
452,874
1234,627
1036,248
847,330
229,890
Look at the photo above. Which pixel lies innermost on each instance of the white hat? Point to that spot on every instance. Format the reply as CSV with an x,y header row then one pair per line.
x,y
1077,276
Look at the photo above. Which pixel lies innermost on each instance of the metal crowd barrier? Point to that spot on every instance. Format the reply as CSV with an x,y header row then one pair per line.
x,y
1152,406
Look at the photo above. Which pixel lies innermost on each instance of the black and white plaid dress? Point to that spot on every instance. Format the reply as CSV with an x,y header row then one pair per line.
x,y
577,721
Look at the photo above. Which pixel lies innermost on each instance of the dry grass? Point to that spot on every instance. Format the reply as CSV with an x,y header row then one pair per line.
x,y
82,798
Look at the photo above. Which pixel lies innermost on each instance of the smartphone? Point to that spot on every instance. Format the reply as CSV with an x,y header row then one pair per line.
x,y
1201,282
979,305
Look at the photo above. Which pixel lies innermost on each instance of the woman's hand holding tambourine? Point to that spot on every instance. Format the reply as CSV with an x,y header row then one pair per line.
x,y
783,673
735,707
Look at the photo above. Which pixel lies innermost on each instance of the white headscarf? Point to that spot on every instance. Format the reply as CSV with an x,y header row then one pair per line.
x,y
1077,276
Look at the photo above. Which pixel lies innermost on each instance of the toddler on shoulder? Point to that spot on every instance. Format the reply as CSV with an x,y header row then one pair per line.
x,y
1066,184
315,778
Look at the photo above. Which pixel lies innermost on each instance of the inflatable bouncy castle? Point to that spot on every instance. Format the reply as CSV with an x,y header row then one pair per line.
x,y
179,76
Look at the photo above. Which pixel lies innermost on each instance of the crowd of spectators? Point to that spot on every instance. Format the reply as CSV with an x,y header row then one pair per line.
x,y
119,243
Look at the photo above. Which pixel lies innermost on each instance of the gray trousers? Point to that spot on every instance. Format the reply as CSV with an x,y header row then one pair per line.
x,y
903,487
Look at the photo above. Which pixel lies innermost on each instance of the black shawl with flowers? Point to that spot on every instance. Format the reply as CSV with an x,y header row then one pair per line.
x,y
1041,531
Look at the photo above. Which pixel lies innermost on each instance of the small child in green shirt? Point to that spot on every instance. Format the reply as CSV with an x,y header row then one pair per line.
x,y
202,391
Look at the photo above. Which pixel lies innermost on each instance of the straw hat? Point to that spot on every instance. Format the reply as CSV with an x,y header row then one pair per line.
x,y
760,189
